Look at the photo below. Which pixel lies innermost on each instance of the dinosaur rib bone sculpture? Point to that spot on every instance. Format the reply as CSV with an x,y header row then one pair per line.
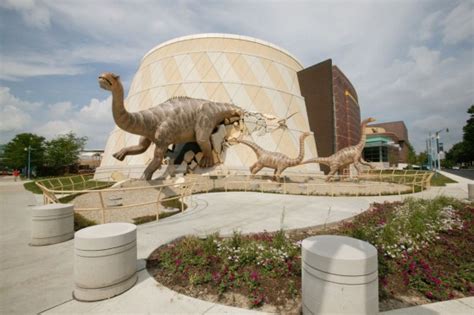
x,y
276,160
177,120
345,156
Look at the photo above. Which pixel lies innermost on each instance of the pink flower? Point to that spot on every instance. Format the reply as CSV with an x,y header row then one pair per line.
x,y
178,262
254,276
216,276
429,295
258,299
436,281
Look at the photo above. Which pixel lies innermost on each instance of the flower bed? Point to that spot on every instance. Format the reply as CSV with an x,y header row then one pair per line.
x,y
425,254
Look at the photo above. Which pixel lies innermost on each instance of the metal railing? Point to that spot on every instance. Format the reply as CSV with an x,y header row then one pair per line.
x,y
161,193
367,183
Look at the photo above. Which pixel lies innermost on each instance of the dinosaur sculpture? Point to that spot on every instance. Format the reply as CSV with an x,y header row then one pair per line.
x,y
177,120
276,160
346,156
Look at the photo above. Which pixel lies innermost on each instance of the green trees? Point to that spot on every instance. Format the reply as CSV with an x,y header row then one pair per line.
x,y
463,152
16,151
64,150
52,157
411,154
468,137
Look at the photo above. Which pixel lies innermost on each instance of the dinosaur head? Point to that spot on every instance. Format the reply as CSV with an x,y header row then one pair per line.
x,y
108,81
368,120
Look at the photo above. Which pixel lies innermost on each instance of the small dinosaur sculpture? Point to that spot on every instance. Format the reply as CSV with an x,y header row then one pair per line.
x,y
177,120
346,156
276,160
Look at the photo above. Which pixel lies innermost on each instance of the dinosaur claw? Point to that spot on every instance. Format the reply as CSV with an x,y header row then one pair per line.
x,y
119,155
206,161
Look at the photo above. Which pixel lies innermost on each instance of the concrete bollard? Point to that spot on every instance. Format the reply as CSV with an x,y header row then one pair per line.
x,y
51,224
105,259
339,276
470,191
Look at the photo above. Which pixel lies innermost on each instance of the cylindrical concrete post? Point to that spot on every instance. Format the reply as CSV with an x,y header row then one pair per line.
x,y
105,258
470,191
339,276
51,224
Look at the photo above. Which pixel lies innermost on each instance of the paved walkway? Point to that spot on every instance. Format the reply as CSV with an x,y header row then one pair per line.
x,y
40,279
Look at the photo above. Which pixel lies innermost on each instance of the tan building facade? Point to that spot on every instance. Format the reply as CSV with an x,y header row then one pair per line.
x,y
252,74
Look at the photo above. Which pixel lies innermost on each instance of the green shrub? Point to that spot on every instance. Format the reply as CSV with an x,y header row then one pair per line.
x,y
81,222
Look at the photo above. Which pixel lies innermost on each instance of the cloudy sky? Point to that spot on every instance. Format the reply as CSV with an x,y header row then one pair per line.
x,y
408,60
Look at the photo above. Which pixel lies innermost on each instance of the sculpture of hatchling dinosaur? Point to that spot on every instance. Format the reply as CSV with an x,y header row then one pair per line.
x,y
276,160
177,120
345,156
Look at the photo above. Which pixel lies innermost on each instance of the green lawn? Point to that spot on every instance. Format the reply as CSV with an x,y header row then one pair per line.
x,y
441,180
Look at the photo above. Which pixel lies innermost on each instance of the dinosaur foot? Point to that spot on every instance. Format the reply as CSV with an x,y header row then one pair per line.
x,y
206,161
146,175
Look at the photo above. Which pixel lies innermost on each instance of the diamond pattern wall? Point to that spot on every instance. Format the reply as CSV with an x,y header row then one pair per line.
x,y
252,74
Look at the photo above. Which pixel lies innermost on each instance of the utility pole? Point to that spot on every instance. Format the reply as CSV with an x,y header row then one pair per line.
x,y
430,152
28,170
29,162
437,147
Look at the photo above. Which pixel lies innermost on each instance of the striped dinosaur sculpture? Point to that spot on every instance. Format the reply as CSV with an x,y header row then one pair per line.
x,y
346,156
276,160
177,120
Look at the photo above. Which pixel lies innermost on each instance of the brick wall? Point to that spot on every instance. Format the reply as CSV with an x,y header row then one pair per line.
x,y
347,110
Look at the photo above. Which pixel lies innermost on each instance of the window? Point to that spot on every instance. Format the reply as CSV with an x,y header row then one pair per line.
x,y
376,154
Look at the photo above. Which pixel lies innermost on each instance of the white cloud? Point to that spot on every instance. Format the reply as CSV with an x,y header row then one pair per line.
x,y
53,128
459,24
32,12
93,120
429,26
60,110
12,118
97,111
13,111
427,90
14,68
425,60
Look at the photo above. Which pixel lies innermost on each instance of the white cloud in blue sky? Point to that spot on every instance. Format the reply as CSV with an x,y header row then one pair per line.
x,y
408,60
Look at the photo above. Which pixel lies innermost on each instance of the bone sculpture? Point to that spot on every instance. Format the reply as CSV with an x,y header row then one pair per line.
x,y
177,120
276,160
346,156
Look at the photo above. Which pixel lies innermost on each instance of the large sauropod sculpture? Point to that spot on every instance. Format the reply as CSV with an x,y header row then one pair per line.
x,y
276,160
177,120
346,156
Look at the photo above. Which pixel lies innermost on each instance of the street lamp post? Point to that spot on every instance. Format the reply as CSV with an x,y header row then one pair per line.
x,y
28,171
437,146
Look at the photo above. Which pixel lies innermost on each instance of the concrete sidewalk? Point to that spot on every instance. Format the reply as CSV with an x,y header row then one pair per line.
x,y
40,279
31,278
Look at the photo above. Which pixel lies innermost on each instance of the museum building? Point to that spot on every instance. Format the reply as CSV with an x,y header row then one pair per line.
x,y
257,76
332,106
387,144
250,73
